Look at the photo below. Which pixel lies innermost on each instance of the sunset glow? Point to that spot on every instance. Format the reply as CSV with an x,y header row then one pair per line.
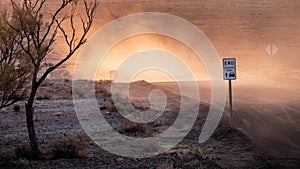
x,y
142,46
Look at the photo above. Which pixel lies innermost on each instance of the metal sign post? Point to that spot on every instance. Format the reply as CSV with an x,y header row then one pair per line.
x,y
229,73
230,103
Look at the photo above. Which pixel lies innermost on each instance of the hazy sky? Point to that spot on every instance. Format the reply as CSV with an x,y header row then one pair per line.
x,y
244,31
237,28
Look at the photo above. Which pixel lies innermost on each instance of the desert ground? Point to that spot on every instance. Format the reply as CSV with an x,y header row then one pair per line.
x,y
263,113
257,140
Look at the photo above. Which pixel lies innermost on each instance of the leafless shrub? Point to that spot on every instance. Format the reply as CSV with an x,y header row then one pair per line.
x,y
72,146
43,97
189,151
16,107
132,127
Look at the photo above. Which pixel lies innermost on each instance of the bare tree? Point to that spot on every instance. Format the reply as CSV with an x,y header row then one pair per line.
x,y
37,36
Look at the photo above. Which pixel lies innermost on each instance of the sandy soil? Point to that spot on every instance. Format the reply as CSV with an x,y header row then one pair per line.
x,y
263,113
55,115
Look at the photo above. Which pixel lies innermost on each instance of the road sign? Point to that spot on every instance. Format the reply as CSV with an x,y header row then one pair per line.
x,y
229,73
229,69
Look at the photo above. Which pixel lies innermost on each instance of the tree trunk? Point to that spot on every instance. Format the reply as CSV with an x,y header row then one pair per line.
x,y
30,125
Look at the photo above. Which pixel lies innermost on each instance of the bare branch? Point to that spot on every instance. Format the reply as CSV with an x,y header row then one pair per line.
x,y
74,44
54,18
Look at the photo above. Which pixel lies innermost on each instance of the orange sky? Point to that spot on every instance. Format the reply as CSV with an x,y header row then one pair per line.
x,y
142,44
237,28
243,30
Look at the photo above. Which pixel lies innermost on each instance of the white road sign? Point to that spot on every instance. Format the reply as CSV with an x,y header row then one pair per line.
x,y
229,69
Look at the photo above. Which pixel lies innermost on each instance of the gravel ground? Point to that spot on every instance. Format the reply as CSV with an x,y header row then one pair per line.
x,y
227,148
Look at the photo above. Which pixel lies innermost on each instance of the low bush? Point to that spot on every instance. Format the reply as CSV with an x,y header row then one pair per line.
x,y
132,127
73,146
16,107
23,151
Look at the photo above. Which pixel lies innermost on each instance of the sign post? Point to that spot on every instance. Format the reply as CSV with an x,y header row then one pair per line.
x,y
229,73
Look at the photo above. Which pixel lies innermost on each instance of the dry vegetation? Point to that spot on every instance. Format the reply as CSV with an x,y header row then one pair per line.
x,y
132,127
16,107
62,147
72,146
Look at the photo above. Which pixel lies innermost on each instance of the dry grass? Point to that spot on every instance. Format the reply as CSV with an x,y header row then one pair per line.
x,y
43,96
23,151
73,146
16,107
132,127
15,156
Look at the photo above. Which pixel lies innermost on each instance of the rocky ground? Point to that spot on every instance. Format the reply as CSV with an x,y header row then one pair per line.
x,y
55,115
